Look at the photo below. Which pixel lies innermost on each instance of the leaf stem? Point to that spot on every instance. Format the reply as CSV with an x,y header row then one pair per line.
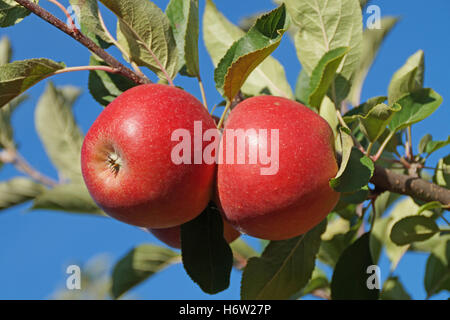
x,y
342,122
383,145
118,46
408,149
13,156
202,91
222,118
88,43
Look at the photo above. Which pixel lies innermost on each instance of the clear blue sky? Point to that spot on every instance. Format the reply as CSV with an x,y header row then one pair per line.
x,y
37,246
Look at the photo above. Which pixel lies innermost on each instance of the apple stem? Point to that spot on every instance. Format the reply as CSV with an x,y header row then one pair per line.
x,y
222,118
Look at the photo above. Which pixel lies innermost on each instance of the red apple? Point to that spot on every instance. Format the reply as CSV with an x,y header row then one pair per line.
x,y
172,236
294,195
126,158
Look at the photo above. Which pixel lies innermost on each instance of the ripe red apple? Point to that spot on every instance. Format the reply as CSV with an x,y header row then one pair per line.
x,y
172,236
295,196
126,158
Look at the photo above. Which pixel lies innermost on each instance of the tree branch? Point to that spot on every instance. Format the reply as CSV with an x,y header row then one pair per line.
x,y
415,187
88,43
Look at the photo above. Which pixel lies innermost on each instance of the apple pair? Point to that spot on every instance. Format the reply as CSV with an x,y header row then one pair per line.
x,y
128,168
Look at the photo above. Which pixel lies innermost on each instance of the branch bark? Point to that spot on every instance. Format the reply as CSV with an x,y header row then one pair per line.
x,y
88,43
415,187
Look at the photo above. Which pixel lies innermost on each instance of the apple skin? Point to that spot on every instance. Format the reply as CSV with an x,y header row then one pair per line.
x,y
298,196
148,189
172,236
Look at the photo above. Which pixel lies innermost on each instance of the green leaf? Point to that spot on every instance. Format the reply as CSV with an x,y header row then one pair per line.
x,y
184,20
249,51
5,50
363,108
318,280
207,257
144,32
219,35
437,272
58,130
349,281
333,245
326,25
105,86
283,269
302,87
442,172
11,12
416,106
323,75
427,145
6,132
394,290
18,190
18,76
429,206
374,123
138,265
87,16
408,78
371,42
67,197
356,174
328,112
413,228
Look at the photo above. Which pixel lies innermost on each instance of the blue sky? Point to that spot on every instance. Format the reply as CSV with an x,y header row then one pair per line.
x,y
37,246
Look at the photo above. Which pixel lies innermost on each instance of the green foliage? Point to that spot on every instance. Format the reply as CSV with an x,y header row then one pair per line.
x,y
284,267
219,34
12,13
184,20
413,228
138,265
90,25
18,76
249,51
350,274
58,130
394,290
437,272
18,190
144,32
207,257
105,87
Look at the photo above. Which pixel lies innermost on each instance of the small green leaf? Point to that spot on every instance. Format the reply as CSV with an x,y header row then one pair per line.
x,y
427,145
5,50
429,206
416,106
67,197
323,75
144,32
326,25
11,12
87,16
18,76
183,17
207,257
219,34
302,87
58,130
138,265
437,271
363,108
241,248
349,281
408,78
249,51
374,123
371,42
442,172
283,269
105,86
356,173
18,190
413,228
394,290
